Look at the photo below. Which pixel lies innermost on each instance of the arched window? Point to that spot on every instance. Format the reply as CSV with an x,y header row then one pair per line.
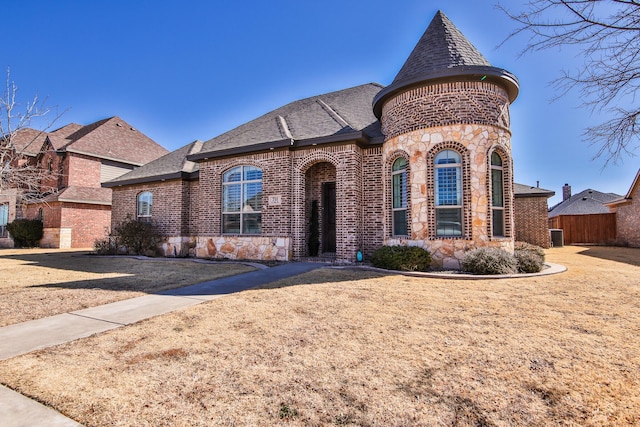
x,y
242,200
399,202
145,203
497,195
448,193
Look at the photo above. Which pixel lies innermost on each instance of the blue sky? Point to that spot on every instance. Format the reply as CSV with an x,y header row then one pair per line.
x,y
180,71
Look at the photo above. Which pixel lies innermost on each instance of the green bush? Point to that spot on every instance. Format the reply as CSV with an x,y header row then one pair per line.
x,y
25,232
530,258
131,237
402,258
489,261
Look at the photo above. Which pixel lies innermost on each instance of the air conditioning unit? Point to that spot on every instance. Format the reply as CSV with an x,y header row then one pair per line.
x,y
557,237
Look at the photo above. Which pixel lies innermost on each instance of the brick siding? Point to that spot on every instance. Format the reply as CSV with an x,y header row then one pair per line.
x,y
628,220
83,171
531,221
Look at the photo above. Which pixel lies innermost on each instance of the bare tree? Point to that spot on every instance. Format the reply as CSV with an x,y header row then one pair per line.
x,y
22,148
607,34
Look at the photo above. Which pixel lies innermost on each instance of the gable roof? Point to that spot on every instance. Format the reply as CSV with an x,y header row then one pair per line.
x,y
444,53
521,190
170,166
333,117
586,202
29,141
111,139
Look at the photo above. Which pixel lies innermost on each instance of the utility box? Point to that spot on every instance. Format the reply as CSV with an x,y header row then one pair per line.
x,y
557,237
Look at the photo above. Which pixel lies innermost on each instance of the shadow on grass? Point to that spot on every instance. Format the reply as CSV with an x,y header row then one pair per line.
x,y
629,256
324,275
126,274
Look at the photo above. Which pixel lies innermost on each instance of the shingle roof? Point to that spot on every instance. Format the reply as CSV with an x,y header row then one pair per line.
x,y
444,53
584,203
29,141
77,194
90,195
333,114
521,190
112,139
442,46
172,165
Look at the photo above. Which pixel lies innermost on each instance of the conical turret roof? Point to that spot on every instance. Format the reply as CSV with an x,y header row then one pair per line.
x,y
444,53
441,47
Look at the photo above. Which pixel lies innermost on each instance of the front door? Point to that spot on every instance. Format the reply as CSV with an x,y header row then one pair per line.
x,y
329,217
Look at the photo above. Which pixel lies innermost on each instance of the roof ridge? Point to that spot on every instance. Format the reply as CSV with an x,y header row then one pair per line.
x,y
333,113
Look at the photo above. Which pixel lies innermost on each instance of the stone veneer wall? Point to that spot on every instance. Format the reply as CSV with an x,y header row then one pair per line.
x,y
532,225
471,118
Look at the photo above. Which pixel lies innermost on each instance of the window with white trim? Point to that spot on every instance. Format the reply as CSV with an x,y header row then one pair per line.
x,y
4,219
448,193
497,195
145,203
242,200
399,196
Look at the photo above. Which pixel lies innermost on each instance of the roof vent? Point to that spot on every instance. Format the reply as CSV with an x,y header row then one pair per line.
x,y
119,125
584,198
132,129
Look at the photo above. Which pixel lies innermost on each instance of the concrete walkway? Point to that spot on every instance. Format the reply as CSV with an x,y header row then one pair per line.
x,y
17,410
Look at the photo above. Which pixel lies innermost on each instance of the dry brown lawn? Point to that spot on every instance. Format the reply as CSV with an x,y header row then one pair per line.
x,y
36,283
350,347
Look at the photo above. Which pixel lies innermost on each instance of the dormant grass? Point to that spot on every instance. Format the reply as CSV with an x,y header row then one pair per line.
x,y
349,347
36,283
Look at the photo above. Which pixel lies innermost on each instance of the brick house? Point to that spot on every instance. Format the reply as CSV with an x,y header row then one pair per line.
x,y
531,207
425,161
627,211
80,158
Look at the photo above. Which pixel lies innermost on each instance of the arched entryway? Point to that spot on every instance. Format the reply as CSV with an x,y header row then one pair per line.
x,y
320,190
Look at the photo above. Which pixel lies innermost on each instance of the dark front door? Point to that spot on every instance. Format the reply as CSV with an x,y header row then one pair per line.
x,y
329,217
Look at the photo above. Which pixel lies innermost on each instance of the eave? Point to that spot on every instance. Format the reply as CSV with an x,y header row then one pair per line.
x,y
186,176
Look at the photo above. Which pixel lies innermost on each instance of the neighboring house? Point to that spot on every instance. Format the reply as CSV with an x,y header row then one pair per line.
x,y
531,207
425,161
627,211
584,217
77,210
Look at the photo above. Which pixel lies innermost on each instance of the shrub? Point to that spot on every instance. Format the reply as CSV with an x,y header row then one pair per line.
x,y
523,246
403,258
530,258
489,261
106,246
139,238
25,232
130,237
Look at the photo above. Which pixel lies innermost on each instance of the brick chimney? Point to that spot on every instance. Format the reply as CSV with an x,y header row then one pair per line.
x,y
566,192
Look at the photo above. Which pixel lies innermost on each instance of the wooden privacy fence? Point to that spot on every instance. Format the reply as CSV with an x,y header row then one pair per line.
x,y
594,228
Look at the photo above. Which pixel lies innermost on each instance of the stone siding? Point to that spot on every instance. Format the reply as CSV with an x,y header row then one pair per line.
x,y
474,143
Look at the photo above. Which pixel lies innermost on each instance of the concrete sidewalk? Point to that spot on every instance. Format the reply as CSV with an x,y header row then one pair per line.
x,y
17,410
